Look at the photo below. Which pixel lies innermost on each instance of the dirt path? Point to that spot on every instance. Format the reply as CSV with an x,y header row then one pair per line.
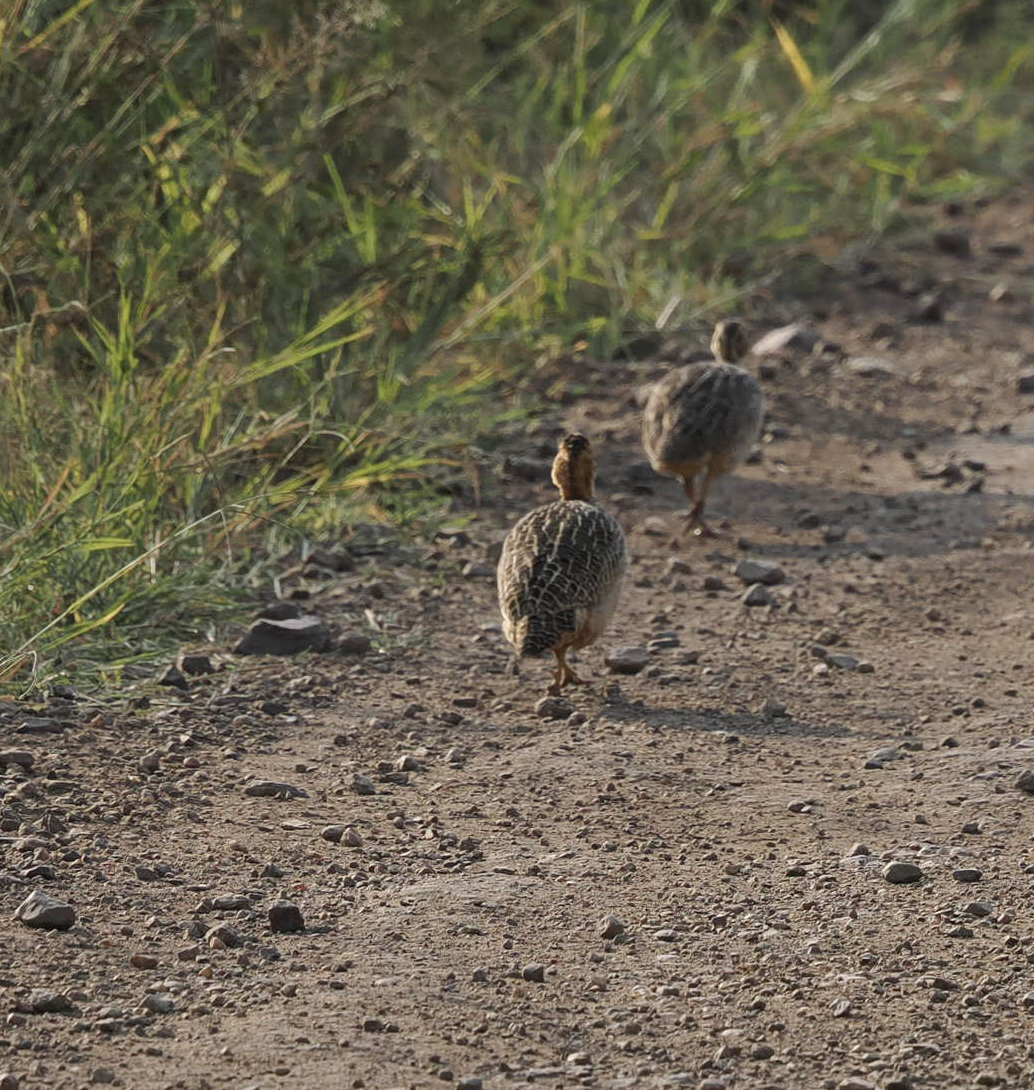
x,y
713,804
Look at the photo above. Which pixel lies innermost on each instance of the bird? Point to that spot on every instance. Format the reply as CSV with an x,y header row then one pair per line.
x,y
561,568
702,419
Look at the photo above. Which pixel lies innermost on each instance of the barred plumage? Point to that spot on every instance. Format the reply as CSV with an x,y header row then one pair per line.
x,y
561,568
704,418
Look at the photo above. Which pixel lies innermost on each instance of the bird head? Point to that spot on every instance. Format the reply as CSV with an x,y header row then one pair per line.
x,y
574,470
729,341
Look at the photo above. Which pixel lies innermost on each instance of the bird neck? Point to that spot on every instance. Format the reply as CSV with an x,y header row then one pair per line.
x,y
575,478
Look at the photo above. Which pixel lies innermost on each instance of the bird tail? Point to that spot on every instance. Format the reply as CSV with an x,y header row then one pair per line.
x,y
533,636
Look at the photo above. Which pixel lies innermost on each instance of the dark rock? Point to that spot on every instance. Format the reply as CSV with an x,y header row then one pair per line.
x,y
553,707
271,789
196,664
289,636
956,243
285,916
174,678
354,644
20,757
42,910
1025,383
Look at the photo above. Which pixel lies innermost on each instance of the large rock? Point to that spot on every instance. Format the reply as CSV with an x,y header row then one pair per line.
x,y
285,636
42,910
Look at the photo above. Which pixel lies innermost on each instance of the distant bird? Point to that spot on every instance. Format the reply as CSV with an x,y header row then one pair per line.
x,y
561,568
701,420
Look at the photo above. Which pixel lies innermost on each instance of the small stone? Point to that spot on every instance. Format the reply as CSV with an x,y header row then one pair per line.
x,y
102,1075
21,757
870,367
44,1001
333,833
285,916
1025,383
285,636
196,664
174,679
978,909
627,660
42,910
534,972
553,707
713,582
762,1052
354,644
150,762
900,873
273,789
471,1082
759,571
967,874
610,927
1025,781
774,709
363,785
757,595
777,341
858,849
231,902
956,243
8,1081
353,838
1028,1000
666,934
222,936
143,961
159,1003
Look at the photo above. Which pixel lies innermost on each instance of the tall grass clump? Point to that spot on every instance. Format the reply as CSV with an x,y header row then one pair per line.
x,y
265,266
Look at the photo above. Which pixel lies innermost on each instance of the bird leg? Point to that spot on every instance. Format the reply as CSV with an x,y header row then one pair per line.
x,y
563,675
695,517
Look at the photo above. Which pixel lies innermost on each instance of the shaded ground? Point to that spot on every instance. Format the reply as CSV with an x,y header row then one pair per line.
x,y
710,803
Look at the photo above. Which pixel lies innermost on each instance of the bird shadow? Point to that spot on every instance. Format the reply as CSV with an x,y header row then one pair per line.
x,y
715,721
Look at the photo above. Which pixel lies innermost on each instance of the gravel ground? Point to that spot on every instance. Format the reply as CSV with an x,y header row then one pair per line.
x,y
793,849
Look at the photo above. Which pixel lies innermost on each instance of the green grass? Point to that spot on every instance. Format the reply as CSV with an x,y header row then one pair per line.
x,y
265,268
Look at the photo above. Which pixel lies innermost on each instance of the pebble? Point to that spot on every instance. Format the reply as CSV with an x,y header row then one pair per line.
x,y
8,1081
363,785
978,909
757,595
222,935
610,927
553,707
471,1082
102,1075
41,910
21,757
143,961
1025,781
333,833
859,849
231,902
762,1052
759,571
354,644
627,660
196,664
967,874
902,872
286,636
713,582
534,972
44,1001
794,336
273,789
159,1003
285,916
1025,383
